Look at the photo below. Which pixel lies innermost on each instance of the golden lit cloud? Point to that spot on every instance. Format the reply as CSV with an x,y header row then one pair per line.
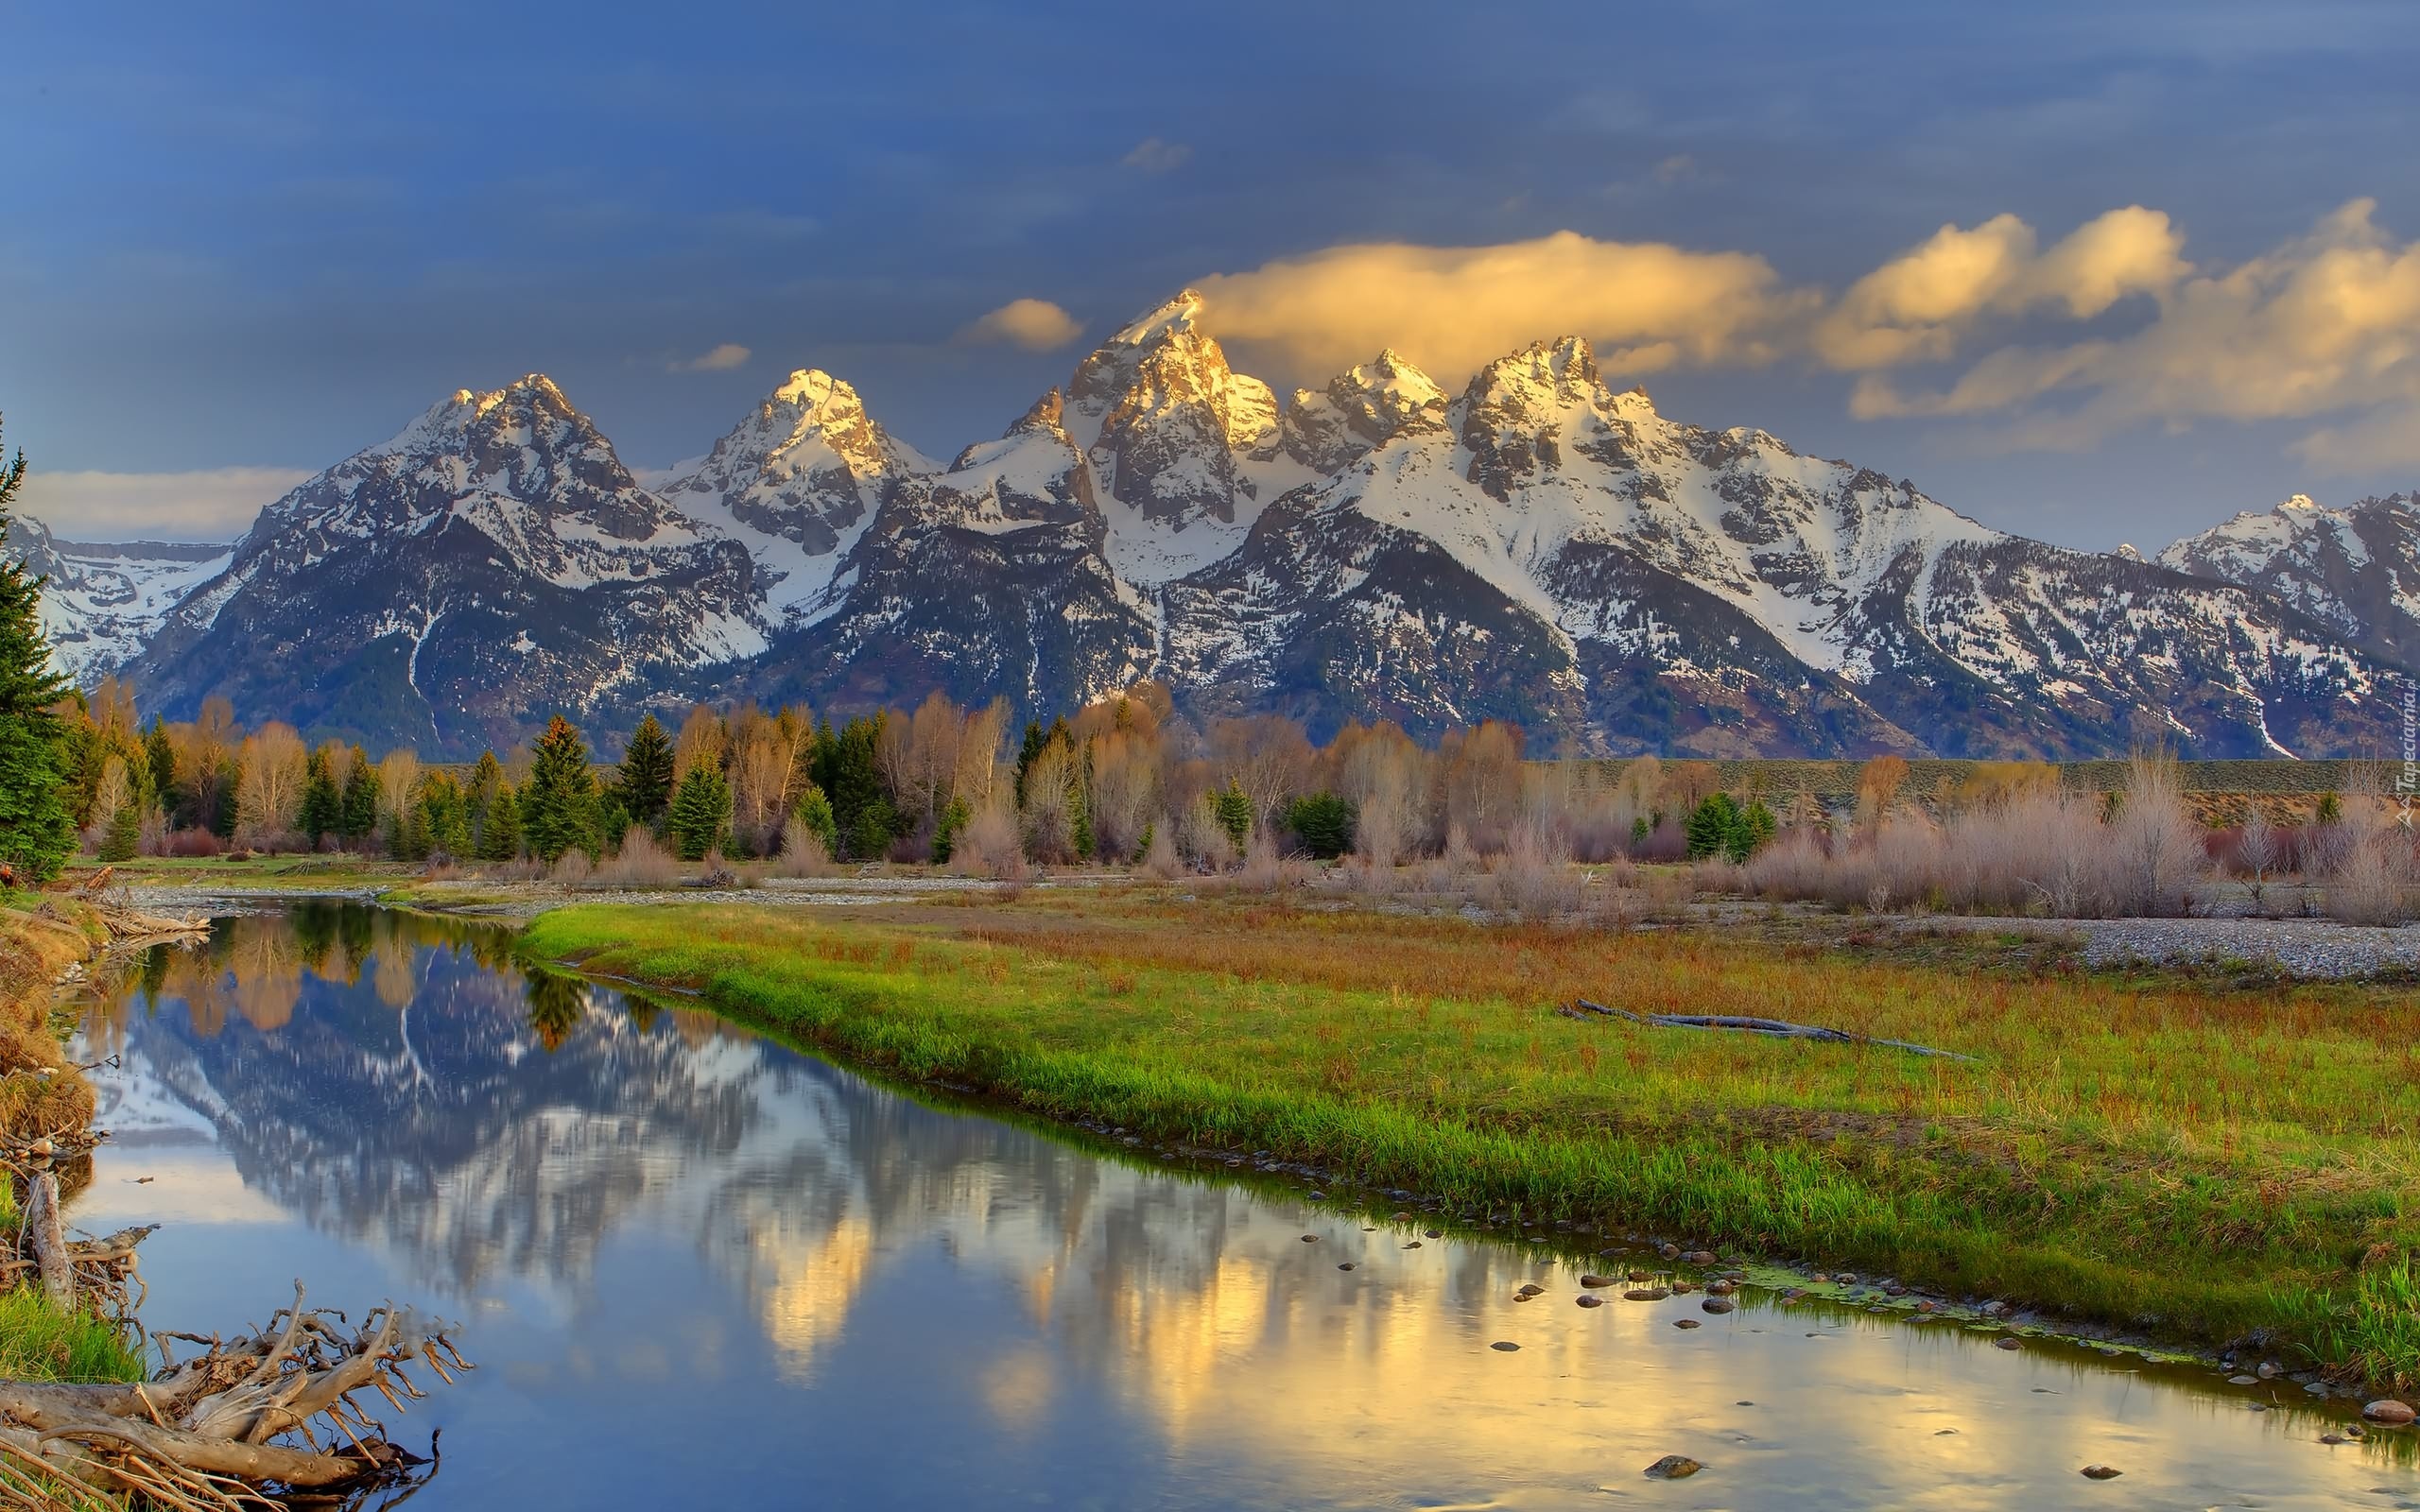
x,y
1037,325
2326,325
1454,309
1917,307
720,359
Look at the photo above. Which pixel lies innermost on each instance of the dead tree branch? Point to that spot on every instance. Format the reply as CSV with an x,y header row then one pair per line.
x,y
1774,1028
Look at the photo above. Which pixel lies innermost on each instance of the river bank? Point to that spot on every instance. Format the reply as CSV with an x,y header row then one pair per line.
x,y
2206,1163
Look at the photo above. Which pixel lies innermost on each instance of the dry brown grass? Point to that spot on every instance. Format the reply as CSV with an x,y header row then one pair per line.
x,y
34,948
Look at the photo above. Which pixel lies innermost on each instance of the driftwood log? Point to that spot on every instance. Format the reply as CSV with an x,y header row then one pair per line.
x,y
128,925
1775,1028
245,1422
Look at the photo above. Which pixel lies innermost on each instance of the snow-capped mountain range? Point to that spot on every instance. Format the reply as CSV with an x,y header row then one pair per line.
x,y
103,603
1536,547
2356,570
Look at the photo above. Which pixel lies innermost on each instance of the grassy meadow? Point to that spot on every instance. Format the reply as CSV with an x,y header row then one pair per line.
x,y
2202,1161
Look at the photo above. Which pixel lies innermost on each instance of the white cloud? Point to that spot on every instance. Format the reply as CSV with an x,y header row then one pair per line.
x,y
720,359
216,503
1454,309
1036,325
1153,155
2326,326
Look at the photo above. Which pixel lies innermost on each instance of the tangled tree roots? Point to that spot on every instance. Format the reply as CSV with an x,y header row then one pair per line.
x,y
251,1421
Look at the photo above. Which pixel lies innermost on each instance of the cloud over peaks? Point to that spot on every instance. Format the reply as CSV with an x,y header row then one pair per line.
x,y
1648,305
723,358
1920,305
1037,325
2324,325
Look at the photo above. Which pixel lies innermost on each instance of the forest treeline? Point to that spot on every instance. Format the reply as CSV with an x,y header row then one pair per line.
x,y
1122,780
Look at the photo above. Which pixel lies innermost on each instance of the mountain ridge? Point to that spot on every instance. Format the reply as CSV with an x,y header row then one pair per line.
x,y
1535,546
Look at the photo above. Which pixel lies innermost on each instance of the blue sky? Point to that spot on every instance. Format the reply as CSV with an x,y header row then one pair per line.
x,y
259,237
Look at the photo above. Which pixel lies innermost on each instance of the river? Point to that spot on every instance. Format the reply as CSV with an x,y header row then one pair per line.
x,y
694,1264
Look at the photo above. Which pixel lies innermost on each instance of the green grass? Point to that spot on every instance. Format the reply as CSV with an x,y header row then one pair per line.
x,y
2188,1159
38,1342
301,872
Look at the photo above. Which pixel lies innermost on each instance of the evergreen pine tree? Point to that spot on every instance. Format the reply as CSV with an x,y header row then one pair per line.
x,y
954,817
700,812
1324,822
230,782
559,807
859,807
83,760
359,806
1754,832
36,834
1714,826
1232,809
122,837
1027,750
478,795
813,810
322,809
645,783
500,837
1080,804
444,824
160,754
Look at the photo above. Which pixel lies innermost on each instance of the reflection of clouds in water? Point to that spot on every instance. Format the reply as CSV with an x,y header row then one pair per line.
x,y
393,1082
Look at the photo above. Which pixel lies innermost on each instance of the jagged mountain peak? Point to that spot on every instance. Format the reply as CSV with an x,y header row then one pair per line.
x,y
531,404
1361,409
1177,316
797,480
1543,375
1047,416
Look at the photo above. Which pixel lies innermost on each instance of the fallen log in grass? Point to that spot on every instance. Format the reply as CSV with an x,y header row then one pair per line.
x,y
1775,1028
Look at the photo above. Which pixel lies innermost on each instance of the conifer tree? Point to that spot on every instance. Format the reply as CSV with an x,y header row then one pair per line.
x,y
1027,750
559,806
359,803
1714,826
35,831
955,817
442,824
160,754
1232,807
813,810
644,785
851,779
322,808
699,813
500,837
122,837
1080,805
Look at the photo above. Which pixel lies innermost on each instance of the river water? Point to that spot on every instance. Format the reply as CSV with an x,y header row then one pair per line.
x,y
696,1265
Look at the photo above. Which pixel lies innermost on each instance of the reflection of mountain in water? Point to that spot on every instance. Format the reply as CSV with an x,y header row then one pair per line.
x,y
400,1082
